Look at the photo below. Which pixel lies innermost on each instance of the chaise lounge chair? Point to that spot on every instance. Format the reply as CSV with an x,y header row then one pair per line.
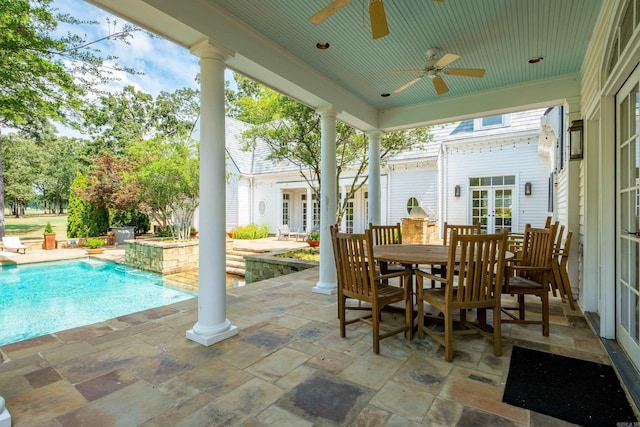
x,y
12,243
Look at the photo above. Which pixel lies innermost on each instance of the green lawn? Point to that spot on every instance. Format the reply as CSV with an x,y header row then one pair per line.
x,y
33,226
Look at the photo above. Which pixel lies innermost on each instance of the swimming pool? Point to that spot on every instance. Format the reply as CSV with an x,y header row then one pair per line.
x,y
42,298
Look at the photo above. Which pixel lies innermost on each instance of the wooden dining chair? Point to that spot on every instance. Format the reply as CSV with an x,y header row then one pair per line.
x,y
461,229
559,269
531,275
478,286
357,279
387,235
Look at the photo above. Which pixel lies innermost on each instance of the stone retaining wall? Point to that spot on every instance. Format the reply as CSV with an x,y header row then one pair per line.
x,y
162,256
261,267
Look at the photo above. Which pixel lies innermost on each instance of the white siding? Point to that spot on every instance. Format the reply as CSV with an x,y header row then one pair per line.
x,y
232,202
268,190
502,159
244,200
407,182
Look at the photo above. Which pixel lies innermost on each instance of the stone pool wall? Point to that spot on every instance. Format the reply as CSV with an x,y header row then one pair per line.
x,y
261,267
162,256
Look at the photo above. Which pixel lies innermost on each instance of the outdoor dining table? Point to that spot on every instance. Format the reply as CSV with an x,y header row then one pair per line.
x,y
410,255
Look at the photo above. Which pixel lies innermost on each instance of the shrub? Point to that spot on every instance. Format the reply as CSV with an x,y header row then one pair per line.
x,y
164,232
250,231
313,235
93,243
132,217
84,219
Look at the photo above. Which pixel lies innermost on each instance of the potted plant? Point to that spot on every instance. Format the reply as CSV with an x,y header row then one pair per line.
x,y
49,237
313,238
193,232
94,246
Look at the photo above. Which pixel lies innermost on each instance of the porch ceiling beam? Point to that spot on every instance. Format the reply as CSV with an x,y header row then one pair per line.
x,y
255,56
531,95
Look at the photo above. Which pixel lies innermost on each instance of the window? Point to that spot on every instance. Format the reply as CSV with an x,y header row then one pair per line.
x,y
303,198
285,209
412,203
501,120
366,207
316,212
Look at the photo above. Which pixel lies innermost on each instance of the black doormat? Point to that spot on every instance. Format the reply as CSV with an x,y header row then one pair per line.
x,y
573,390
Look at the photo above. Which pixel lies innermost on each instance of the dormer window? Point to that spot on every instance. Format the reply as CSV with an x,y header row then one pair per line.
x,y
501,120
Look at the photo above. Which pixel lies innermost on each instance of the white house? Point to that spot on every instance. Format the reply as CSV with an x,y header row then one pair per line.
x,y
492,170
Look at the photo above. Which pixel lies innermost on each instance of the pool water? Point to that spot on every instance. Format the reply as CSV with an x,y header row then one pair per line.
x,y
42,298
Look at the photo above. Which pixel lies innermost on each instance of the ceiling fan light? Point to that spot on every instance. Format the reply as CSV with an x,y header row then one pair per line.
x,y
432,74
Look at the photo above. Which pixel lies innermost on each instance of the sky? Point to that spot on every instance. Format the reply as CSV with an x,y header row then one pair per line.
x,y
166,66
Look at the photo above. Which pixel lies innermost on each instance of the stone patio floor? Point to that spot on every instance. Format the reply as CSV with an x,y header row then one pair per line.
x,y
288,366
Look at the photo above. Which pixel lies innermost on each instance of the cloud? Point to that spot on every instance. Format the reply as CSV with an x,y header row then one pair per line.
x,y
166,66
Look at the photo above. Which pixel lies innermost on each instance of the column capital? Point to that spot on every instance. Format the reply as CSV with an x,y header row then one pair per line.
x,y
374,133
327,111
572,105
204,49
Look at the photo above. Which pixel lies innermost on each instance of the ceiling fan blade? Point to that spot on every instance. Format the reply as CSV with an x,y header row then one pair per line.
x,y
446,59
378,19
406,85
406,71
467,72
329,10
440,85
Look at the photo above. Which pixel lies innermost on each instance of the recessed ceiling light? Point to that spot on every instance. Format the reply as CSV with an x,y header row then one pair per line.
x,y
322,45
536,60
385,95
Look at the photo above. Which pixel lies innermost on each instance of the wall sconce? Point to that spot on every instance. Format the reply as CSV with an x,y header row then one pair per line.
x,y
527,188
575,140
456,191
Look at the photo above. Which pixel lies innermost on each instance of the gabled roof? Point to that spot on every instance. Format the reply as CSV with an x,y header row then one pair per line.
x,y
256,162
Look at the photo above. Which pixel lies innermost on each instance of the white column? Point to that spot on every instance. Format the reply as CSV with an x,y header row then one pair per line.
x,y
212,325
374,177
341,201
328,281
309,225
5,417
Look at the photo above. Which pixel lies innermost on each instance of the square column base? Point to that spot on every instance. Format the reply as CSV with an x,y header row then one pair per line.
x,y
5,418
208,340
325,290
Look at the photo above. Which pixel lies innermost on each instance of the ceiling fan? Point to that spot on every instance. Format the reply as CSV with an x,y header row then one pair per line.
x,y
377,15
434,67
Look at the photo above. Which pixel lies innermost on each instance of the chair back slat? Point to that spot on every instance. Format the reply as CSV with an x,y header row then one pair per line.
x,y
351,253
386,234
481,267
537,251
460,228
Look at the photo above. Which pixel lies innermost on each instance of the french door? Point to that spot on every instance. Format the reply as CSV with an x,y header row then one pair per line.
x,y
492,208
628,217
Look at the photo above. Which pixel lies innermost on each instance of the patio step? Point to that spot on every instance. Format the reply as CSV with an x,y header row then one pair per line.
x,y
235,261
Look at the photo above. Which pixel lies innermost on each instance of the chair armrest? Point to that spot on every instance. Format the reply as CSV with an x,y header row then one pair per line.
x,y
421,274
391,275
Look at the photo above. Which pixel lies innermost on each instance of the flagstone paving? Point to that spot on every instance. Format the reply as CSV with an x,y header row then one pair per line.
x,y
288,366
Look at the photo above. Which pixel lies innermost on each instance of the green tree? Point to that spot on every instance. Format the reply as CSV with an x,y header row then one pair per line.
x,y
167,175
43,77
23,160
120,119
292,132
84,219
